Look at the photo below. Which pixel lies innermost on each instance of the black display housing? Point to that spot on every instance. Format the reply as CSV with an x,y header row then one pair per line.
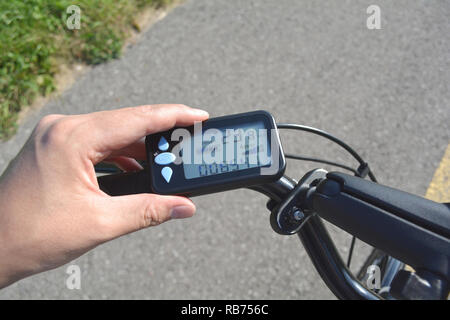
x,y
179,185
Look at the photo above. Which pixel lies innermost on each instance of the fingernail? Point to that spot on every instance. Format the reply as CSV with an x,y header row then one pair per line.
x,y
181,212
201,113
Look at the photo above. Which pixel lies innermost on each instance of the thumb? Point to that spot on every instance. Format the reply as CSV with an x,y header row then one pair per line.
x,y
125,214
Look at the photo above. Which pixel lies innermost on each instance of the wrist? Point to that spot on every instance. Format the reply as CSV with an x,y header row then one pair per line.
x,y
7,273
11,268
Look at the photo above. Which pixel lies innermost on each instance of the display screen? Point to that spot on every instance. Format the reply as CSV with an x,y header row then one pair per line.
x,y
215,151
217,154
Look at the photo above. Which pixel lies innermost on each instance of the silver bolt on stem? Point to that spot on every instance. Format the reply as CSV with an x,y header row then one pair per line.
x,y
298,215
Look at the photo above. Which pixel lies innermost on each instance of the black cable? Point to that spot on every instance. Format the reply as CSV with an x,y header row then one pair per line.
x,y
292,156
106,170
104,167
350,252
329,137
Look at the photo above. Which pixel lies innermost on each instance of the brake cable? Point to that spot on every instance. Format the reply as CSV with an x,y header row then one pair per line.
x,y
296,157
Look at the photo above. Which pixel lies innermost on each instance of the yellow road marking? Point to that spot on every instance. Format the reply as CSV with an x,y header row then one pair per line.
x,y
439,189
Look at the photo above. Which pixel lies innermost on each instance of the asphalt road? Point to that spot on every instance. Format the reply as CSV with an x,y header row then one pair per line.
x,y
385,92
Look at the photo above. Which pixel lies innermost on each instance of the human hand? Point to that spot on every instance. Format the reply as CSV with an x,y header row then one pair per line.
x,y
52,210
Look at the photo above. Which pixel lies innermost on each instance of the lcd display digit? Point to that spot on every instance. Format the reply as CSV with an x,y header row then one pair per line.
x,y
237,148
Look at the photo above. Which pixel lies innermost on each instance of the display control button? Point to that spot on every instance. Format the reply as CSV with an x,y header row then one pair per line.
x,y
163,145
165,158
167,173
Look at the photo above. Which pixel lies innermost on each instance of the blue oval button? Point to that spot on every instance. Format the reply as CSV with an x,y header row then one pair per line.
x,y
165,158
163,145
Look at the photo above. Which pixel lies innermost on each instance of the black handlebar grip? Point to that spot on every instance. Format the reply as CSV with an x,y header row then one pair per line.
x,y
428,214
400,224
125,183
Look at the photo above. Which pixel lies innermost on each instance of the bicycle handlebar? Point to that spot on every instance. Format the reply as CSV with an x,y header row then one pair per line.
x,y
124,183
408,227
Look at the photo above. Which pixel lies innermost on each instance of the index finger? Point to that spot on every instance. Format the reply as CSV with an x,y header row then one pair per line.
x,y
116,129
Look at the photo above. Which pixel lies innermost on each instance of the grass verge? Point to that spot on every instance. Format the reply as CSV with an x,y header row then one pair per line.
x,y
35,40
